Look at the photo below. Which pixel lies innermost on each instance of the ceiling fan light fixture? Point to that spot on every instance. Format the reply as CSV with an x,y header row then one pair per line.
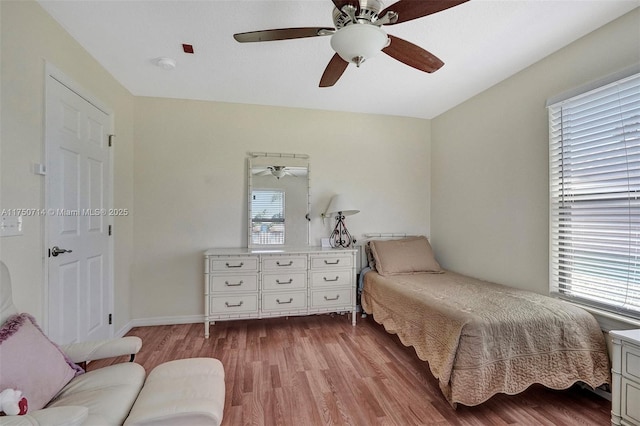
x,y
358,42
278,171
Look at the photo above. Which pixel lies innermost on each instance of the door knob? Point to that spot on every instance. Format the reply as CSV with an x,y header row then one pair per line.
x,y
55,250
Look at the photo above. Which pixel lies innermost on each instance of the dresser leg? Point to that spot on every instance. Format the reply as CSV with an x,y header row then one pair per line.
x,y
616,381
353,317
206,329
615,420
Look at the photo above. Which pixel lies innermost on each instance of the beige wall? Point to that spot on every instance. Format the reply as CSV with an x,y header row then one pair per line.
x,y
480,169
190,184
489,201
29,37
189,171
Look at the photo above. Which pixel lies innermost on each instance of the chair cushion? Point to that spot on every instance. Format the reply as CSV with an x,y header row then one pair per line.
x,y
107,392
32,363
6,302
60,416
185,391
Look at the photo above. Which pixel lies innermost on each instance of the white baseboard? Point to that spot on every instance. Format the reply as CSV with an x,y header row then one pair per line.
x,y
144,322
124,330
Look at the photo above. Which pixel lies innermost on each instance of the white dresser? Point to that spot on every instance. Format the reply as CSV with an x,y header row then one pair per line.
x,y
245,283
625,377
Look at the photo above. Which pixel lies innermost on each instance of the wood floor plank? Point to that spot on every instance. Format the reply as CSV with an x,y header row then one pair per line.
x,y
319,370
319,388
346,400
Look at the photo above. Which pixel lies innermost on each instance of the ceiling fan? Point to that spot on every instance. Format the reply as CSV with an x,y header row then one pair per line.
x,y
281,171
358,35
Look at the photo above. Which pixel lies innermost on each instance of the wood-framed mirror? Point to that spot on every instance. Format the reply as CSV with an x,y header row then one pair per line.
x,y
278,200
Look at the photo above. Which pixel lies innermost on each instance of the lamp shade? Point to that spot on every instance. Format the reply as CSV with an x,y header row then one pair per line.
x,y
358,42
339,203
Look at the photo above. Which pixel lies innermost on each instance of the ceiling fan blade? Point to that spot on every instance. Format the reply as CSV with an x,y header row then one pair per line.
x,y
413,9
334,71
282,34
412,55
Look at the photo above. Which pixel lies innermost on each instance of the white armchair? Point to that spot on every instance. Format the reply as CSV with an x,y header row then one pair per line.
x,y
84,352
188,391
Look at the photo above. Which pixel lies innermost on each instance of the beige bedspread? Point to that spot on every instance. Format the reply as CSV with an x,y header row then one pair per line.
x,y
481,338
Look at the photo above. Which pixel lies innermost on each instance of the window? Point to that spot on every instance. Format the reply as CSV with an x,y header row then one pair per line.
x,y
267,221
594,168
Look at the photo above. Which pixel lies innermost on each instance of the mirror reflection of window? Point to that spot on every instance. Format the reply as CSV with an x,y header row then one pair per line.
x,y
288,174
268,221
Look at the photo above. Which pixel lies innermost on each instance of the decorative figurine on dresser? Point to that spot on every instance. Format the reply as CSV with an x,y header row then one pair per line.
x,y
278,274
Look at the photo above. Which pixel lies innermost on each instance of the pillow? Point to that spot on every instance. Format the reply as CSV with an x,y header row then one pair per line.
x,y
404,256
31,363
371,262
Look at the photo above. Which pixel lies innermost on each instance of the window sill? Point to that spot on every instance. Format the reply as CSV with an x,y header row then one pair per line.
x,y
617,318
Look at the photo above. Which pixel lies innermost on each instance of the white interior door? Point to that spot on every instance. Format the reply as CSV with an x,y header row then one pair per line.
x,y
78,222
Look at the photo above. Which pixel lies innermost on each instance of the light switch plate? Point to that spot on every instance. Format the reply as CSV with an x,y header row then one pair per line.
x,y
10,226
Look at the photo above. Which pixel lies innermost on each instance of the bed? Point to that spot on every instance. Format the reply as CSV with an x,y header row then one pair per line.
x,y
479,338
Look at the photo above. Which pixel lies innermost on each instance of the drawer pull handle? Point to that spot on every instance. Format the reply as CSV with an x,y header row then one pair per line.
x,y
228,284
284,264
284,303
332,298
284,282
331,279
235,266
230,305
326,262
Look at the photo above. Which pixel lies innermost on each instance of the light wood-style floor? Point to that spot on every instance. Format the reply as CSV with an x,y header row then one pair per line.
x,y
319,370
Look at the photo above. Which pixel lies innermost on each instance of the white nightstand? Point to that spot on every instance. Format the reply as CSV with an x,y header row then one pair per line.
x,y
625,377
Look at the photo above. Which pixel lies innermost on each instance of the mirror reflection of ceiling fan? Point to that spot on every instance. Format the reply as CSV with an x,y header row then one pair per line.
x,y
280,171
358,35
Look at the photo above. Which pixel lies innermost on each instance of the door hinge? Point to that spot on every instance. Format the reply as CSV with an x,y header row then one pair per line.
x,y
109,229
111,140
110,319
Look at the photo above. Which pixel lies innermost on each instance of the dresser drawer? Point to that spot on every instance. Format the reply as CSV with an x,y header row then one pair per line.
x,y
631,362
283,263
332,261
332,278
230,304
284,301
234,264
285,281
332,297
237,283
630,396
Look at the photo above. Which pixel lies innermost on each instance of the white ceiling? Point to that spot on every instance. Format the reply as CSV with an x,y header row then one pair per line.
x,y
481,43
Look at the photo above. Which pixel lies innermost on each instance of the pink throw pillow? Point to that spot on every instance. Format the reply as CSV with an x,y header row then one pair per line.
x,y
31,363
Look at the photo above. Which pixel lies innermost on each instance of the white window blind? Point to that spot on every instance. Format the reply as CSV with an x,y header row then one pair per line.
x,y
594,156
267,216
